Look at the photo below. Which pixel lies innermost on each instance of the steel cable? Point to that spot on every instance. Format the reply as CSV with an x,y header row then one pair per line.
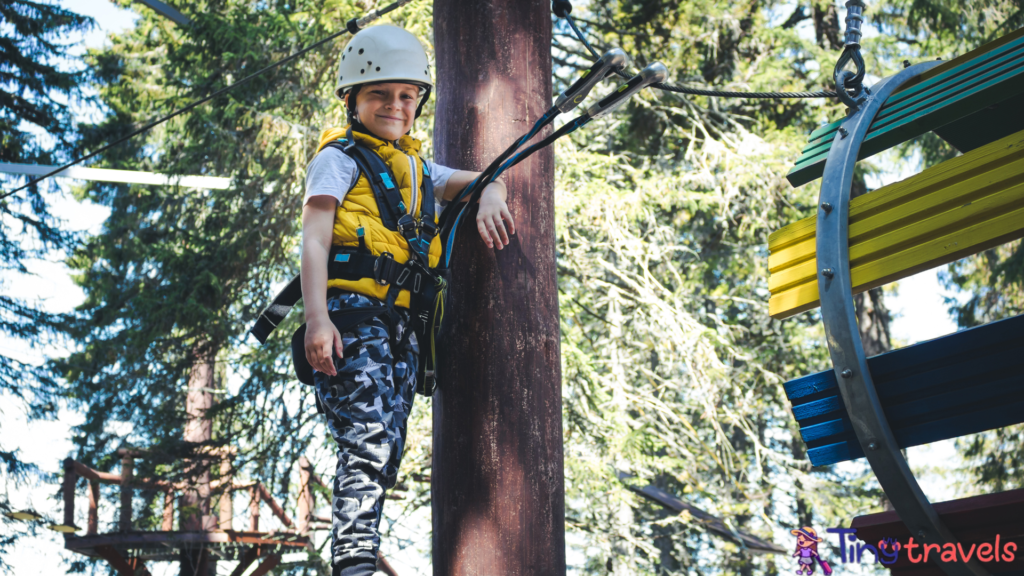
x,y
699,91
352,24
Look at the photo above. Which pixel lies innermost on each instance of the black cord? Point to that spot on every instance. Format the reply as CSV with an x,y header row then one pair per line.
x,y
377,14
697,91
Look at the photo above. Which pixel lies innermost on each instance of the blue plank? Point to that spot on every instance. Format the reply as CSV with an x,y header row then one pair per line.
x,y
959,384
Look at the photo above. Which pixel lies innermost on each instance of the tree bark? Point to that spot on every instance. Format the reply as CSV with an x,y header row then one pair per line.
x,y
497,479
195,501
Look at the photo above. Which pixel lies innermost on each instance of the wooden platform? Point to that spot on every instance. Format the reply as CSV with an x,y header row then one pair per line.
x,y
958,208
973,521
959,384
167,545
128,552
949,93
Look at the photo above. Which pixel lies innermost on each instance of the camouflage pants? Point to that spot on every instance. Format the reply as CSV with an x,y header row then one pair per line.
x,y
367,405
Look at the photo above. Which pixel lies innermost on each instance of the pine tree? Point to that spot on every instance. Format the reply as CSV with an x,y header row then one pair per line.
x,y
34,90
177,276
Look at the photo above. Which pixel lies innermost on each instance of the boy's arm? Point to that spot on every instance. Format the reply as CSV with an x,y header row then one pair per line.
x,y
321,336
493,213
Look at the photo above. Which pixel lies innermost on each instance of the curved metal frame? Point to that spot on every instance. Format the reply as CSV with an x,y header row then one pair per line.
x,y
839,315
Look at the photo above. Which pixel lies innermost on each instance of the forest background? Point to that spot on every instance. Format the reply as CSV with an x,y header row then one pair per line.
x,y
672,370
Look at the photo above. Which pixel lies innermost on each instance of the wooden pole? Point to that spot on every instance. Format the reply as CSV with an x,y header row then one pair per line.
x,y
93,520
127,470
167,522
305,509
254,509
227,509
497,479
70,479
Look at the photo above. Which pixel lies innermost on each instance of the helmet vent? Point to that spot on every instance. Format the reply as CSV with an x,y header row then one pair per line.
x,y
378,68
360,50
362,70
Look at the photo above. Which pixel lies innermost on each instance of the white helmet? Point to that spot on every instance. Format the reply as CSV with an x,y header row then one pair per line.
x,y
383,53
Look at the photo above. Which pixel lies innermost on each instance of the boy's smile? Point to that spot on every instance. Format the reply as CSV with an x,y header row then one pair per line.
x,y
387,109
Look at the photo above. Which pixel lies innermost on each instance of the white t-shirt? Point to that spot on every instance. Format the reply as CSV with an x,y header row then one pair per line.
x,y
334,173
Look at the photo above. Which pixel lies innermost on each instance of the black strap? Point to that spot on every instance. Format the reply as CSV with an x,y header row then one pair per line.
x,y
348,264
382,181
278,309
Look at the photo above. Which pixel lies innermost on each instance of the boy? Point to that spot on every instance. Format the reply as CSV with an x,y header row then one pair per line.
x,y
365,377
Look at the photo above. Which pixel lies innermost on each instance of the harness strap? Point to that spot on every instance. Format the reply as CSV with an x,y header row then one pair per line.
x,y
278,309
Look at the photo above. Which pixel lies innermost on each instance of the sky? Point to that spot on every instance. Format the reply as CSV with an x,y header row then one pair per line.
x,y
917,304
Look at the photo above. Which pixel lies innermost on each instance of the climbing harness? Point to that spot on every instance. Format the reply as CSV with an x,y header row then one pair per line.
x,y
427,286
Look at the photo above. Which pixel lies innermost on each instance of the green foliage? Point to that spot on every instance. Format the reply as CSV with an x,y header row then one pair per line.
x,y
672,369
34,87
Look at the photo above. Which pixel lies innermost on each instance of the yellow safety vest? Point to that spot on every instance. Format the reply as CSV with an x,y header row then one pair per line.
x,y
359,210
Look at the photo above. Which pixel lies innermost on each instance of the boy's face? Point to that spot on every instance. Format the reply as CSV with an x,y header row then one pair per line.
x,y
387,109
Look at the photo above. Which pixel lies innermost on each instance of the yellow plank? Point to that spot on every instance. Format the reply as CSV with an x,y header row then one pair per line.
x,y
944,213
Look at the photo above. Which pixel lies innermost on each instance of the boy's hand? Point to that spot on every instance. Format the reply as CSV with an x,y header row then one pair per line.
x,y
321,339
491,218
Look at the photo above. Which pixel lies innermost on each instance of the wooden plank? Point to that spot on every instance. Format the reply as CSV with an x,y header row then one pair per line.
x,y
959,384
267,565
962,86
246,560
193,539
958,208
123,567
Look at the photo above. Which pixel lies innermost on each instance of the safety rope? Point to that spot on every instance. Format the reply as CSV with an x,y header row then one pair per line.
x,y
562,9
352,26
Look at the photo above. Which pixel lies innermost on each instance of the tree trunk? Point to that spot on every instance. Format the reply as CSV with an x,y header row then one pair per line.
x,y
497,480
195,502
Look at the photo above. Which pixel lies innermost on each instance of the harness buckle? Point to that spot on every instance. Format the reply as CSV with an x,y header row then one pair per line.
x,y
407,226
428,228
382,268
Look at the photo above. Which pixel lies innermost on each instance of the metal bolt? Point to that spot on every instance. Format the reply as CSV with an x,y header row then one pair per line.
x,y
843,133
846,373
906,63
826,207
872,445
827,272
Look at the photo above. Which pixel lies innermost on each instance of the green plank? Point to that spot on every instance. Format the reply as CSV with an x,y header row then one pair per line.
x,y
985,80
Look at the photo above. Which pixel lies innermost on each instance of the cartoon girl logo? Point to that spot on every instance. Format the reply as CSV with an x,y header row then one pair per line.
x,y
807,552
